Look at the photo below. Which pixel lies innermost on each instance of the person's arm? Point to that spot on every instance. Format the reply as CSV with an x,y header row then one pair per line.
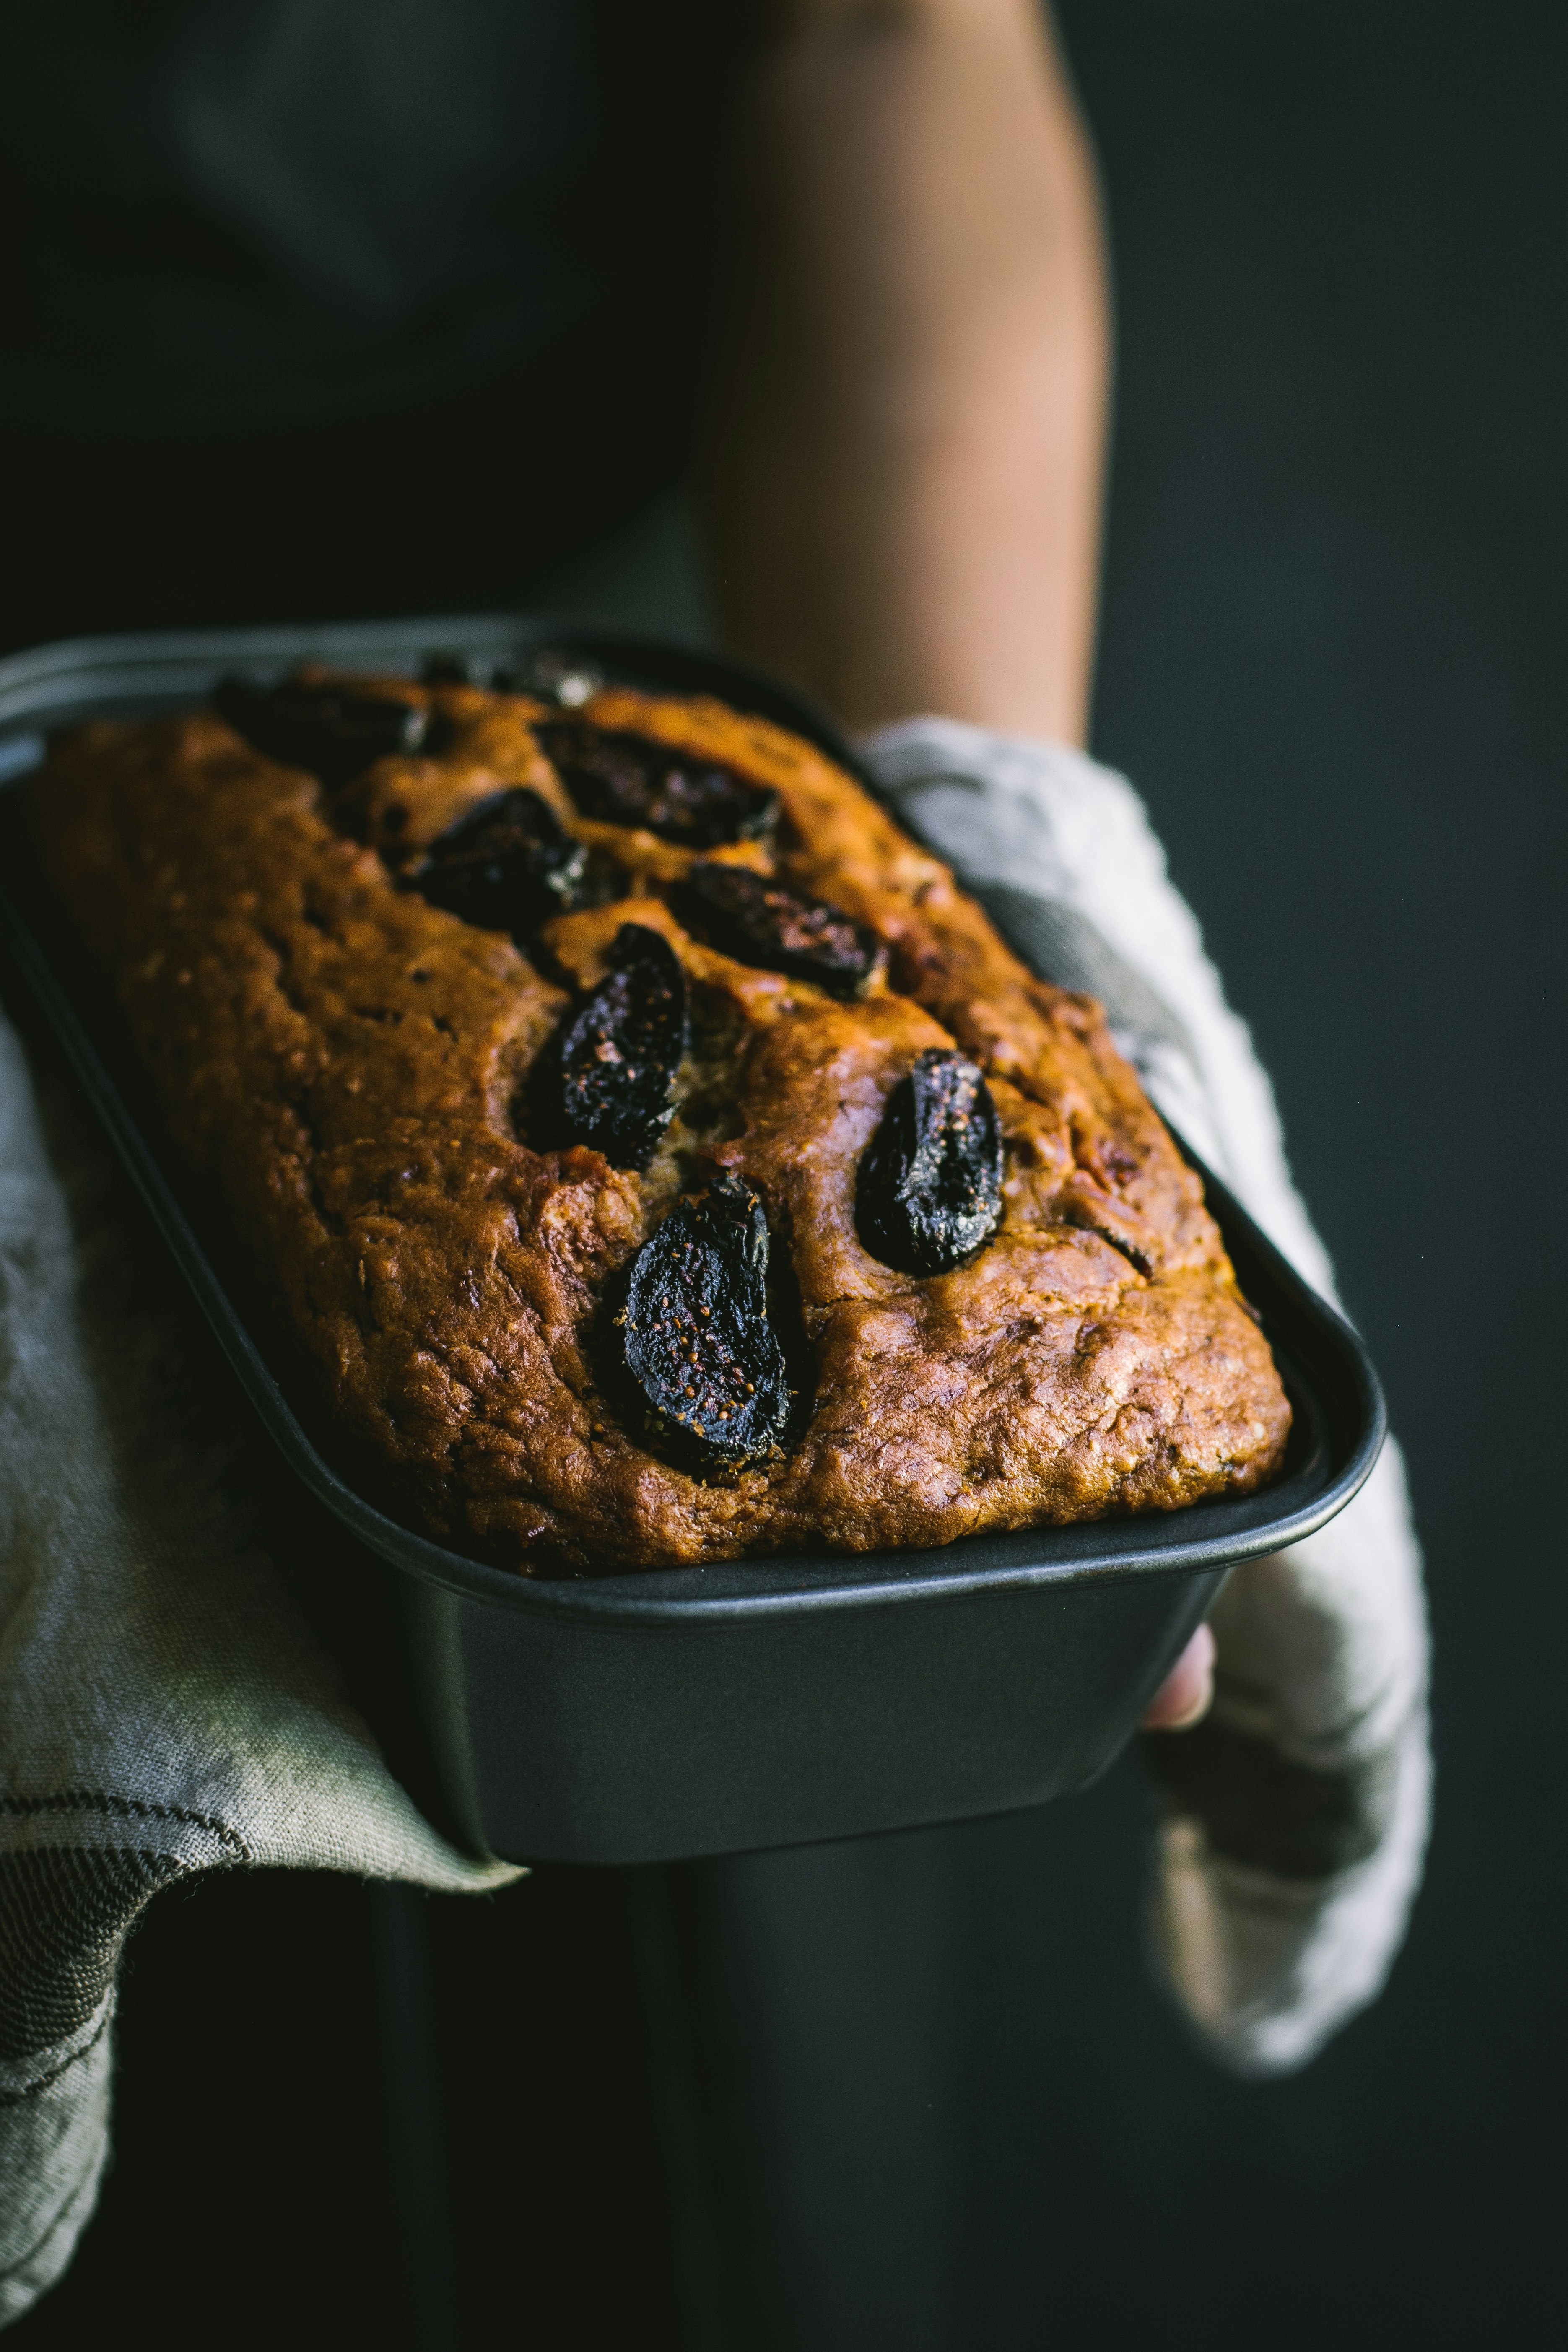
x,y
903,481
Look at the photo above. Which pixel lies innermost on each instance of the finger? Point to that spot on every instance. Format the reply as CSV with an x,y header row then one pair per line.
x,y
1183,1697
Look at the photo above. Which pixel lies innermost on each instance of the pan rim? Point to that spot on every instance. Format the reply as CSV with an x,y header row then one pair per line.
x,y
74,679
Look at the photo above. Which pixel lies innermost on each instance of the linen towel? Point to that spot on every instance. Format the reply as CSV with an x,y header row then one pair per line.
x,y
1295,1818
164,1705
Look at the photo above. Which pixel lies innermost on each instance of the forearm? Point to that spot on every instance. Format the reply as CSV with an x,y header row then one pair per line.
x,y
903,475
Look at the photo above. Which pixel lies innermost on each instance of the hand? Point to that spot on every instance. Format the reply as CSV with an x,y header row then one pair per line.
x,y
1182,1698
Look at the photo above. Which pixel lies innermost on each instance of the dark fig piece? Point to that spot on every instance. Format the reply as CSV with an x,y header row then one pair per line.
x,y
701,805
929,1194
507,866
697,1339
620,1054
331,730
624,779
756,920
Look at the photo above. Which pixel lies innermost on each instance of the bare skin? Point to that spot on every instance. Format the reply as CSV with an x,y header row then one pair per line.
x,y
904,473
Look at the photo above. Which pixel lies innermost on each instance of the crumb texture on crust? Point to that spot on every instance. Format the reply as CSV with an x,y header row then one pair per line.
x,y
352,1069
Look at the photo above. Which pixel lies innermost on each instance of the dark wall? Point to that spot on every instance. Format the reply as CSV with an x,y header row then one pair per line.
x,y
1333,660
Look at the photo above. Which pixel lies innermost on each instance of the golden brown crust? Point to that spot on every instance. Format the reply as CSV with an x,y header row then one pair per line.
x,y
347,1064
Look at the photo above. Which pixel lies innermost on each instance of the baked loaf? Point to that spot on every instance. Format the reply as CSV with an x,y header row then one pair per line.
x,y
658,1157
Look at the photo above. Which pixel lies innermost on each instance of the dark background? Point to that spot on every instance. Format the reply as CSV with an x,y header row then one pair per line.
x,y
936,2103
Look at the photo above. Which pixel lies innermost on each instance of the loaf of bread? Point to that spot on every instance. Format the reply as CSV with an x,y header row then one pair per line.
x,y
655,1155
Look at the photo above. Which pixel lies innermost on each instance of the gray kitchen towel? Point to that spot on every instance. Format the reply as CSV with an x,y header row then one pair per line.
x,y
166,1708
1294,1818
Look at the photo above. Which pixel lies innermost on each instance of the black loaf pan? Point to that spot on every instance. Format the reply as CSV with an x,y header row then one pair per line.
x,y
698,1711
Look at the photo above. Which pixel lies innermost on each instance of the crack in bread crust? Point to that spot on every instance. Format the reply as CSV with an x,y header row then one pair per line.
x,y
349,1067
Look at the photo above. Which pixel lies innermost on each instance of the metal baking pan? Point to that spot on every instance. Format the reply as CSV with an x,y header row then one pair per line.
x,y
699,1711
